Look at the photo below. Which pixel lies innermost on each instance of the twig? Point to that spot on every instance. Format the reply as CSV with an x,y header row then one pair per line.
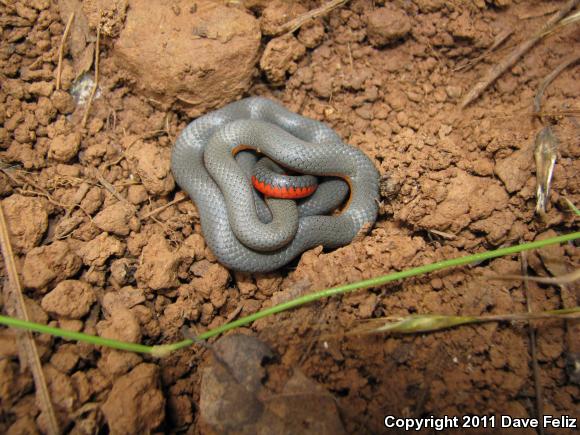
x,y
499,39
61,49
293,25
163,207
96,83
111,189
562,279
549,78
499,68
30,351
533,348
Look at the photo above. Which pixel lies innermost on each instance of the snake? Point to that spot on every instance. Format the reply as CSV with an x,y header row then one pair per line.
x,y
213,159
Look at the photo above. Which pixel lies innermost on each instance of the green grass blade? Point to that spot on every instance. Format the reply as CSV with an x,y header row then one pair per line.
x,y
72,335
373,282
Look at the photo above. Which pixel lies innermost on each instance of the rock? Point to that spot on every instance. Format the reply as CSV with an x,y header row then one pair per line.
x,y
158,269
280,58
200,46
386,25
496,227
61,389
135,404
49,264
115,218
27,233
231,396
43,89
193,246
127,297
70,298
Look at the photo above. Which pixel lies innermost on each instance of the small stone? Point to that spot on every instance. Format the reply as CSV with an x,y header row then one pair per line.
x,y
153,166
453,92
122,271
396,99
402,119
115,362
311,33
65,358
440,95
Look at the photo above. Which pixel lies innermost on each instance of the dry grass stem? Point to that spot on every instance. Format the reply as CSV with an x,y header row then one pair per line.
x,y
533,344
29,355
549,78
61,50
507,62
293,25
557,280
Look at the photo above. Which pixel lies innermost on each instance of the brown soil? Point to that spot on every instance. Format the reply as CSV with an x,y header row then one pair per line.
x,y
101,247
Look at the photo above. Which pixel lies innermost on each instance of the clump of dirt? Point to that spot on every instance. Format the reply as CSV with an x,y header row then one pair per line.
x,y
200,43
107,244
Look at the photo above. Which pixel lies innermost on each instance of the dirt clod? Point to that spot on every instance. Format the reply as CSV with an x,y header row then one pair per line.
x,y
135,404
200,47
115,218
25,233
49,265
64,147
387,24
152,165
280,58
70,298
98,250
159,268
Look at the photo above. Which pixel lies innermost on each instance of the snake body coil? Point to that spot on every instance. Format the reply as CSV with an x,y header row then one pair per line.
x,y
240,231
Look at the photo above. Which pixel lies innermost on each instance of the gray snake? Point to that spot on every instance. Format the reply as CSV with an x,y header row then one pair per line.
x,y
242,232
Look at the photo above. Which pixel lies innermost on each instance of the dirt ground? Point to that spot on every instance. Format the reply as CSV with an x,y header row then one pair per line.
x,y
106,243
